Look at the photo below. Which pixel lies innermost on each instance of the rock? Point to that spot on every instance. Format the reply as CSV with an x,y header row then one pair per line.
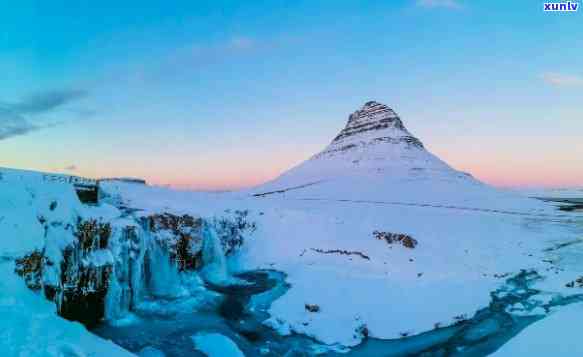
x,y
341,252
185,246
30,268
373,124
575,283
391,238
312,308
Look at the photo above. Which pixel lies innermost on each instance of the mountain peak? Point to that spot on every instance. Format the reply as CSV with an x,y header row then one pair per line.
x,y
373,145
375,123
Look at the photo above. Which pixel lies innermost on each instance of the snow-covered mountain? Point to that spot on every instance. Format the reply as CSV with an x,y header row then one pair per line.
x,y
374,157
373,142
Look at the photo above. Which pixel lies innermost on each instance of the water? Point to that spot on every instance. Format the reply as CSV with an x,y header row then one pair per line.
x,y
237,311
167,325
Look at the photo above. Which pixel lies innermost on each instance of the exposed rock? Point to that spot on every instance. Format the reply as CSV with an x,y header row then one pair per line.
x,y
391,238
312,308
183,239
29,268
341,252
362,331
82,286
93,235
575,283
363,126
84,281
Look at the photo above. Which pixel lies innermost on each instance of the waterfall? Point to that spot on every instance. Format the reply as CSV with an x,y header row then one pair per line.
x,y
144,268
213,257
164,280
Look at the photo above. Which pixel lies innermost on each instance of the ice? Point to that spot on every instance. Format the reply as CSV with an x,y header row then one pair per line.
x,y
30,326
213,257
164,280
558,335
216,345
150,352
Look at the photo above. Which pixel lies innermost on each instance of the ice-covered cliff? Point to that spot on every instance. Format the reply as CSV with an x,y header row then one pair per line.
x,y
97,262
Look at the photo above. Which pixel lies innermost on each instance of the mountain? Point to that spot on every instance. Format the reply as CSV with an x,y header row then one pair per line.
x,y
375,157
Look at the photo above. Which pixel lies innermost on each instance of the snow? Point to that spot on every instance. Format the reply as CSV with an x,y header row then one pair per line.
x,y
29,324
216,345
557,335
565,192
18,236
30,327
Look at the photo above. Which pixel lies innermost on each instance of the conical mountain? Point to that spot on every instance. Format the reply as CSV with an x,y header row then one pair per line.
x,y
374,145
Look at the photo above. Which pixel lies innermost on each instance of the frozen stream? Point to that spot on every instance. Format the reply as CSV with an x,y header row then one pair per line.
x,y
237,311
234,311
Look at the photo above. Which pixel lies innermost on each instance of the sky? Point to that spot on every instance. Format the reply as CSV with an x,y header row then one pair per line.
x,y
229,94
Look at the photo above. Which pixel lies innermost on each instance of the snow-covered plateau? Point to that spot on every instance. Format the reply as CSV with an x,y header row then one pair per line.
x,y
384,250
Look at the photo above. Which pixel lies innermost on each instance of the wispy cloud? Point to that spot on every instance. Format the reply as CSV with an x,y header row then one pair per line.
x,y
448,4
70,168
562,80
17,119
13,124
195,56
47,100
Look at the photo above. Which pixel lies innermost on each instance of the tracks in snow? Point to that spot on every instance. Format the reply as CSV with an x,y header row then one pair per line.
x,y
563,218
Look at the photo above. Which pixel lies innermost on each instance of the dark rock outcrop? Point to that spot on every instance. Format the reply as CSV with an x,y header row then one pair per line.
x,y
186,245
405,240
374,123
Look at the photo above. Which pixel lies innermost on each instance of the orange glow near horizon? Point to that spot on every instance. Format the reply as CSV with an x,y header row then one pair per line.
x,y
249,169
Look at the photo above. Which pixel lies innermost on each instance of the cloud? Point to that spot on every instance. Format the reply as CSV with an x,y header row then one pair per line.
x,y
17,119
70,168
562,80
448,4
48,100
13,124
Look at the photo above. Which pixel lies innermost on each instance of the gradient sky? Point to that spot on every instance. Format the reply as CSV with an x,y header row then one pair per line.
x,y
225,94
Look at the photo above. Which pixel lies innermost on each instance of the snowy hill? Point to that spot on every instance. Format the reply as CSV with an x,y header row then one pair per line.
x,y
374,142
374,138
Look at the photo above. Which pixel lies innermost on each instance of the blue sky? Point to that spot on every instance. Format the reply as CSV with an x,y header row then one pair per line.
x,y
220,94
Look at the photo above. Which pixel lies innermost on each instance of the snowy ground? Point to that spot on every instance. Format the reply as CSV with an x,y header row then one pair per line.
x,y
397,291
558,335
29,325
567,192
468,245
